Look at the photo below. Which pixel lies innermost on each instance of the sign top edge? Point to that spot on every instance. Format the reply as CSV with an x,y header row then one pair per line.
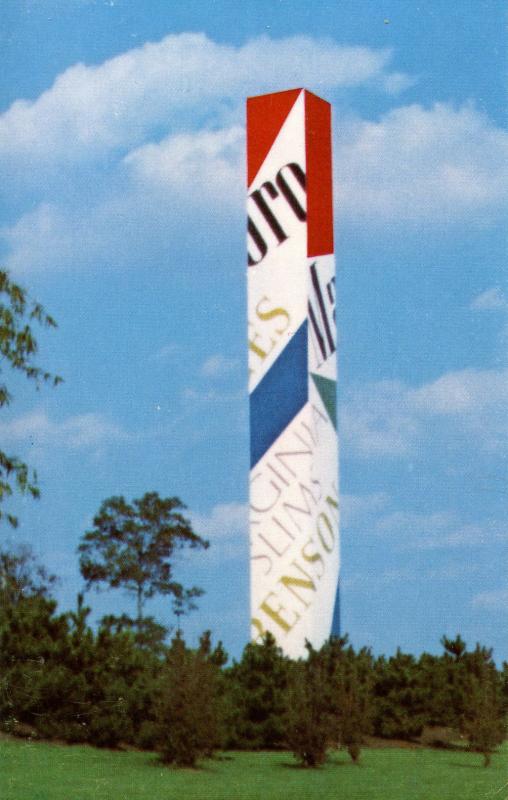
x,y
294,91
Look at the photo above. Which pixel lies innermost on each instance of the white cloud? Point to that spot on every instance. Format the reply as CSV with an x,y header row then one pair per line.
x,y
465,391
397,82
490,300
212,396
75,432
375,420
454,571
495,600
371,517
374,581
126,159
439,164
438,530
167,352
356,508
91,110
224,520
200,167
388,418
226,528
217,365
416,522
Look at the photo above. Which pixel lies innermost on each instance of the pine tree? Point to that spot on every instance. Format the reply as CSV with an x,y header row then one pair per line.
x,y
187,710
483,719
309,724
258,692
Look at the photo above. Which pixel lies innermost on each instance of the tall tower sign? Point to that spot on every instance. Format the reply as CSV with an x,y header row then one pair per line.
x,y
294,514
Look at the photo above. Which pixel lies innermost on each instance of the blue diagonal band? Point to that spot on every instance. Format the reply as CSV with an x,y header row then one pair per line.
x,y
279,396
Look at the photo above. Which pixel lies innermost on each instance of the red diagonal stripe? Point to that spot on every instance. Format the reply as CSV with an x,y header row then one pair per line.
x,y
266,115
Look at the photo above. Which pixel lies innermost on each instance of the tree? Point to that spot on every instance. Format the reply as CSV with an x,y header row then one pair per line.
x,y
21,575
454,647
399,697
353,697
258,689
483,719
484,725
330,701
188,716
132,544
18,348
309,723
148,634
38,688
183,602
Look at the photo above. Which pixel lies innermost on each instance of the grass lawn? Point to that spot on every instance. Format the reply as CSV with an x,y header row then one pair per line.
x,y
39,771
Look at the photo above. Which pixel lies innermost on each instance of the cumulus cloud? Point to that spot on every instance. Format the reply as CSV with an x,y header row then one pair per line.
x,y
200,167
354,508
167,352
490,300
374,581
91,110
223,520
434,164
212,396
217,365
495,600
226,528
437,530
466,391
376,420
454,571
123,161
389,418
75,432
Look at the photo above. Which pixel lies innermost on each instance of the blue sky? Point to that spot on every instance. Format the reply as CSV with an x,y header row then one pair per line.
x,y
122,210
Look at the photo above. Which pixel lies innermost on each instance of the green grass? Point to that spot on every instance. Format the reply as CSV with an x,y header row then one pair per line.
x,y
39,771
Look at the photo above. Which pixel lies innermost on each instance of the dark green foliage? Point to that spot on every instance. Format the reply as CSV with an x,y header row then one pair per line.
x,y
330,702
400,700
124,688
121,684
453,681
21,575
454,647
187,713
310,726
18,348
39,688
484,719
183,601
147,633
258,695
504,687
60,680
31,637
131,547
484,726
354,699
434,693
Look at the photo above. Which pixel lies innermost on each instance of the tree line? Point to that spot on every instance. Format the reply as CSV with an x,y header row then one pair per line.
x,y
122,684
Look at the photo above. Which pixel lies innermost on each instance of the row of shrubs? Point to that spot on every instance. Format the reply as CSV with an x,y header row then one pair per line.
x,y
120,684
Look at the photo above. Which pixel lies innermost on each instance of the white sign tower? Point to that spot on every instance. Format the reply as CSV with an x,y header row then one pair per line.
x,y
294,514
